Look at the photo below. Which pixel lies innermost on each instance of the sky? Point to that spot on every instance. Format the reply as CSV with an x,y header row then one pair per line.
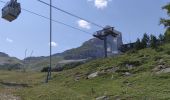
x,y
131,17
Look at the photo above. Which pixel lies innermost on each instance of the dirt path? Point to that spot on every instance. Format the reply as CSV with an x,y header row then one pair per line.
x,y
8,97
8,89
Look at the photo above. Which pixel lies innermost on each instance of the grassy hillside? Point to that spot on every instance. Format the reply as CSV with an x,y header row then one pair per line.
x,y
9,63
136,75
38,63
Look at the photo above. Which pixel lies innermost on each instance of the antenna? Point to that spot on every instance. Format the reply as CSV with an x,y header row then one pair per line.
x,y
24,67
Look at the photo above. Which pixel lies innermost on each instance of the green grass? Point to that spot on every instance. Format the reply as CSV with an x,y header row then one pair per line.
x,y
144,84
38,65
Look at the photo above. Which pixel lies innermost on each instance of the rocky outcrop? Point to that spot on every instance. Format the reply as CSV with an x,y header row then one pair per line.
x,y
103,98
161,69
166,70
8,97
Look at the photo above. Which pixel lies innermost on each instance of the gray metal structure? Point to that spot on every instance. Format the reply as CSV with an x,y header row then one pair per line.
x,y
114,44
50,66
112,40
11,10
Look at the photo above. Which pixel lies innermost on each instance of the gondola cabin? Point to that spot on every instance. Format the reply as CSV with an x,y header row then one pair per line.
x,y
11,10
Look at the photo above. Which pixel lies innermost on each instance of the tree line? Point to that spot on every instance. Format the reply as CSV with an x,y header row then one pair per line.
x,y
149,41
153,41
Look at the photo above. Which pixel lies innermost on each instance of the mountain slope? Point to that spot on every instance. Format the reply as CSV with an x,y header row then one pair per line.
x,y
10,63
92,48
136,75
38,63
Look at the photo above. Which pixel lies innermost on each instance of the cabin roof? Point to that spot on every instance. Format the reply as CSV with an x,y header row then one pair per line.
x,y
101,34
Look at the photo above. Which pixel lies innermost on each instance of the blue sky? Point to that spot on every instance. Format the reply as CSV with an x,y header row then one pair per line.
x,y
131,17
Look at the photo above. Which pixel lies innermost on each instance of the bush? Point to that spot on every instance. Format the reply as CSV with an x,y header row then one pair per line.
x,y
168,52
72,65
132,51
57,69
159,49
45,69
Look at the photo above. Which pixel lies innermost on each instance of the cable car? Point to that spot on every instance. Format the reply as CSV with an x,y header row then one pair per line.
x,y
11,10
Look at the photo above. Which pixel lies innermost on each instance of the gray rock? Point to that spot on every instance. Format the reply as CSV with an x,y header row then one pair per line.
x,y
77,78
117,98
93,75
166,70
159,67
112,70
127,74
161,61
129,66
102,98
8,97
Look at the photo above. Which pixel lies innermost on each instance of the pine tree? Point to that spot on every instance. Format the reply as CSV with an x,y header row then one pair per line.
x,y
166,23
145,41
138,44
167,35
161,39
153,41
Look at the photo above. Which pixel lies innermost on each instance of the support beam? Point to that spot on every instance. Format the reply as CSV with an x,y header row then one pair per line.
x,y
105,47
102,35
50,65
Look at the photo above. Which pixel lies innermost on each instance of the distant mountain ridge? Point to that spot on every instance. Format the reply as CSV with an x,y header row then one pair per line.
x,y
9,63
92,48
3,54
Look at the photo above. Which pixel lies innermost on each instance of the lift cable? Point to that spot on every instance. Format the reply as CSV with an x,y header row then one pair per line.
x,y
31,12
56,21
57,8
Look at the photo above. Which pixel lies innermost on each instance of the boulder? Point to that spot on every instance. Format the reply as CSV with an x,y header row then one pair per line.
x,y
77,78
111,70
93,75
102,98
161,61
129,66
127,74
159,67
166,70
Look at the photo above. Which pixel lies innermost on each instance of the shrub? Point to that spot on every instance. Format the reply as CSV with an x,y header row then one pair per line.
x,y
45,69
72,65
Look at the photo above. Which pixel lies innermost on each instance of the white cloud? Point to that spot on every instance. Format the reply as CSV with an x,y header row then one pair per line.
x,y
53,44
9,40
100,4
84,24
